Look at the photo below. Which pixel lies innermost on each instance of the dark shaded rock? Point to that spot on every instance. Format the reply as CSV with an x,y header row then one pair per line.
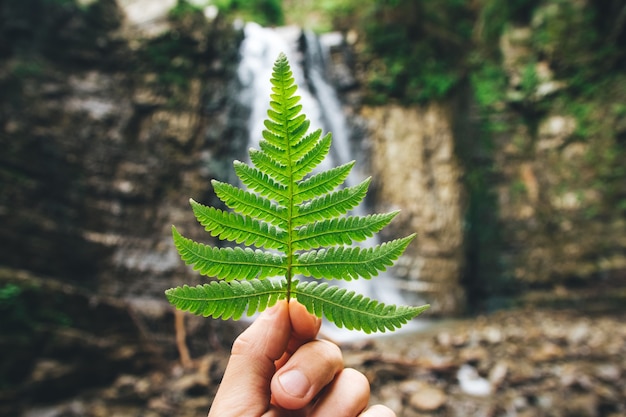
x,y
59,339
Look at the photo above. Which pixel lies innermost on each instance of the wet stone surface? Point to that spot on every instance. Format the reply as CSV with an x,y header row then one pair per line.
x,y
514,363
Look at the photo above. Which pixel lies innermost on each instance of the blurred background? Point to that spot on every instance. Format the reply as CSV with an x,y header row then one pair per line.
x,y
497,127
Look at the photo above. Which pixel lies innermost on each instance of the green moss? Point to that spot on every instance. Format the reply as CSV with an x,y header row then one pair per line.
x,y
20,317
175,57
184,9
495,15
530,80
489,85
27,68
264,12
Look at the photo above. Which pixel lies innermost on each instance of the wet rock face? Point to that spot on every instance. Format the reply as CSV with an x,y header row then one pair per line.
x,y
101,156
555,182
58,340
415,169
103,143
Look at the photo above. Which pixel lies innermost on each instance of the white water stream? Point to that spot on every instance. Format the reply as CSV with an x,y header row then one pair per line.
x,y
258,52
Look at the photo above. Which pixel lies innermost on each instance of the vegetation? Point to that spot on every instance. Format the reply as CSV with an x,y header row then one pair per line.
x,y
413,51
264,12
300,221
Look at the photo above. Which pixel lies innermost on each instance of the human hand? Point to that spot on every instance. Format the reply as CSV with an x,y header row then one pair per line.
x,y
277,369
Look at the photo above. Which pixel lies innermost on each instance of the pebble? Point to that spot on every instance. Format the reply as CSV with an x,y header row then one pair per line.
x,y
428,399
472,383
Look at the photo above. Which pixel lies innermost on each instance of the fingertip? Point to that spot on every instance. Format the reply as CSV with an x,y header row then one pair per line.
x,y
268,335
304,324
378,411
306,372
276,309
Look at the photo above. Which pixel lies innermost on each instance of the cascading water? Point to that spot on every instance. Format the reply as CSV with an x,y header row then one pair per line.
x,y
320,103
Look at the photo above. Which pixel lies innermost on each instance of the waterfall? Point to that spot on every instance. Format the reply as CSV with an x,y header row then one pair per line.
x,y
259,50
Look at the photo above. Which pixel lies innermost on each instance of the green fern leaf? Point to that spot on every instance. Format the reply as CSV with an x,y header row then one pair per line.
x,y
251,204
340,231
331,205
321,183
239,228
348,263
351,310
228,263
258,181
311,159
298,221
305,145
227,300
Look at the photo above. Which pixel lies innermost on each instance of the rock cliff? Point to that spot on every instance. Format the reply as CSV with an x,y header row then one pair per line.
x,y
498,130
107,127
415,169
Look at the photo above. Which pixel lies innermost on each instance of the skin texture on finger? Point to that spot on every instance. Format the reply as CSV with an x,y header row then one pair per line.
x,y
378,411
307,372
244,390
347,396
304,328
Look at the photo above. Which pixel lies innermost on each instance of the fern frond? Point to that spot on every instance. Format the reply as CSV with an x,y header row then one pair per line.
x,y
348,263
332,204
227,300
251,204
228,263
259,181
291,111
340,231
240,229
273,168
351,310
272,150
321,183
311,159
299,221
303,146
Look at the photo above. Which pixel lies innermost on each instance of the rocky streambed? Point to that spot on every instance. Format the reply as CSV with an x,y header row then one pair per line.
x,y
510,363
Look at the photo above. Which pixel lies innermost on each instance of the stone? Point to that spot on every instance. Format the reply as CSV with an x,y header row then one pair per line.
x,y
582,405
192,385
547,352
608,372
472,383
428,399
498,373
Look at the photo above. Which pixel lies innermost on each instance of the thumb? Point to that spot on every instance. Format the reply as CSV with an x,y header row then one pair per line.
x,y
245,388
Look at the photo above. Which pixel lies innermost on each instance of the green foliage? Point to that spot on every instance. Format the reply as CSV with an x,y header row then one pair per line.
x,y
489,84
184,9
298,222
8,295
27,68
20,319
495,15
264,12
169,57
170,60
416,49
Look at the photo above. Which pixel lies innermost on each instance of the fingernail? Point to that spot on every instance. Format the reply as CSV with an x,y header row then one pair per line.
x,y
295,383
